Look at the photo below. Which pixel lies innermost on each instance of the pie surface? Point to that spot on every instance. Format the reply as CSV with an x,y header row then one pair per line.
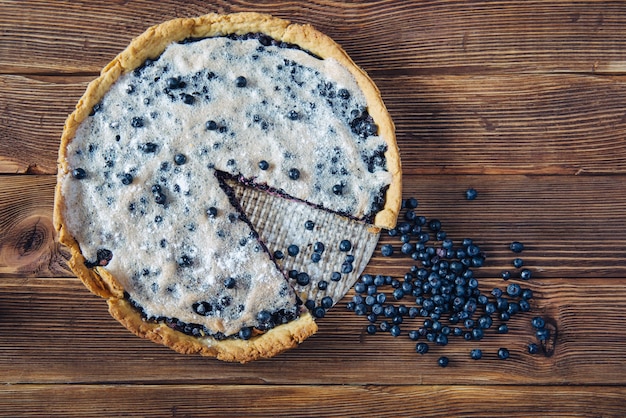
x,y
151,159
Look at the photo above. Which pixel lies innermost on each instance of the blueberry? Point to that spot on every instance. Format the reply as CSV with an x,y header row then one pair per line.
x,y
542,334
293,250
506,275
202,308
245,333
149,147
160,198
79,173
386,250
533,348
294,173
347,268
443,361
338,189
174,83
322,285
211,212
345,245
319,312
316,257
318,247
471,194
476,354
527,294
211,125
371,329
434,225
230,283
421,348
513,290
279,255
516,247
327,302
241,81
309,225
335,276
136,122
180,159
343,94
263,316
293,115
503,329
525,274
184,261
503,353
188,99
360,309
264,165
395,330
518,262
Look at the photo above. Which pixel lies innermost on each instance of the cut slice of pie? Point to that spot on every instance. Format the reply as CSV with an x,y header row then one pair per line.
x,y
224,178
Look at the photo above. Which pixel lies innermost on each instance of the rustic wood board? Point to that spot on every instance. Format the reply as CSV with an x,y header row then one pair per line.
x,y
522,101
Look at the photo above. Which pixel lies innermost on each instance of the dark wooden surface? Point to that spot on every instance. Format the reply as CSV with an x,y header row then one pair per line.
x,y
524,101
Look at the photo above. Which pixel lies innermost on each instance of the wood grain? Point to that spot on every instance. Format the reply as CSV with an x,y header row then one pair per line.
x,y
505,124
55,331
428,37
306,401
522,101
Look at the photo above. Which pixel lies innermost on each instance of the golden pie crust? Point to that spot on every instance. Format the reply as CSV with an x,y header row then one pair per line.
x,y
150,45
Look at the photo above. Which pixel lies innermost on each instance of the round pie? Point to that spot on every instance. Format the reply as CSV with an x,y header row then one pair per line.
x,y
223,182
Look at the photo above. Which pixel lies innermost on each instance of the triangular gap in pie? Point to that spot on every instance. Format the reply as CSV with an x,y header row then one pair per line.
x,y
143,198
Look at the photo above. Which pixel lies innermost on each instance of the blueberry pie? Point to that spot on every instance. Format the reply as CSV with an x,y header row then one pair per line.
x,y
223,181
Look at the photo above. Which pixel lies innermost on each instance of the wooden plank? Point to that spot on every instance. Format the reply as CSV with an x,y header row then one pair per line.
x,y
301,401
572,226
428,37
535,124
54,331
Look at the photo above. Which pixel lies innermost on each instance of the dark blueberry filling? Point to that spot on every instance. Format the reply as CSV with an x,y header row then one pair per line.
x,y
103,256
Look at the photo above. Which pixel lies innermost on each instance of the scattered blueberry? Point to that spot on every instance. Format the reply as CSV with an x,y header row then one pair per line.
x,y
516,247
421,348
386,250
476,354
318,247
264,165
503,353
211,125
525,274
533,348
443,361
211,212
309,225
518,262
471,194
338,189
316,257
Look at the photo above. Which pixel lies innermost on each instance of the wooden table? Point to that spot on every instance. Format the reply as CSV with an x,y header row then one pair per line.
x,y
523,101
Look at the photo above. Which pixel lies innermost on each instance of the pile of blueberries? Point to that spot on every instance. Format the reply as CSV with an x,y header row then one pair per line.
x,y
440,292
